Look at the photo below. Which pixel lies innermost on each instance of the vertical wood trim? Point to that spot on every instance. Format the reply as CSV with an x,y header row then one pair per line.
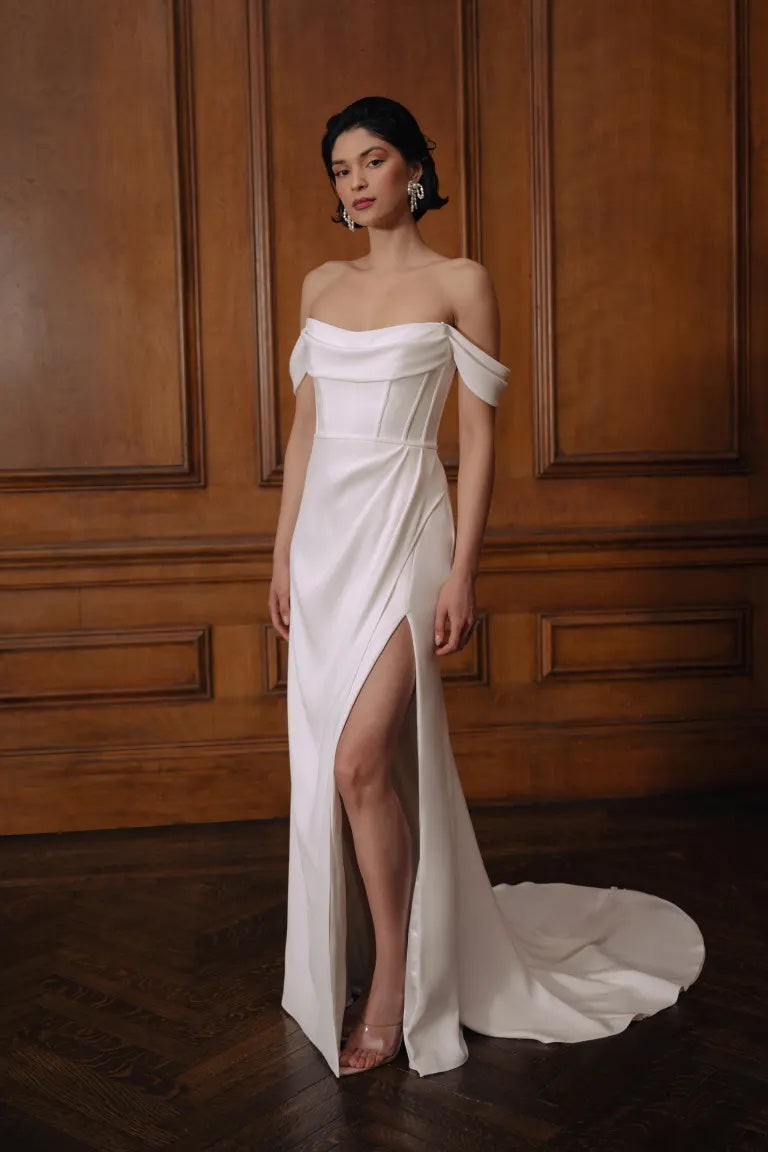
x,y
740,168
188,268
267,407
470,170
545,415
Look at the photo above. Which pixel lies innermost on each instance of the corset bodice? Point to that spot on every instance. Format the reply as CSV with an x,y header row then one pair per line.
x,y
391,383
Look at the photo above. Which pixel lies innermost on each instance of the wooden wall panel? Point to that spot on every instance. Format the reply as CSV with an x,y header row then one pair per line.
x,y
635,324
640,155
167,195
90,667
101,375
642,643
158,401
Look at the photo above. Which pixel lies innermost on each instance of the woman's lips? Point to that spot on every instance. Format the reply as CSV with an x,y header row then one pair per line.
x,y
362,203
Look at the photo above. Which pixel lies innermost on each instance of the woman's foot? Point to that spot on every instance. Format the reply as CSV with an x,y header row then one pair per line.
x,y
370,1045
352,1016
377,1035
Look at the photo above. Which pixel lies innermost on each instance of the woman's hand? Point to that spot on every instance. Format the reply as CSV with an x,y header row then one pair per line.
x,y
279,596
456,608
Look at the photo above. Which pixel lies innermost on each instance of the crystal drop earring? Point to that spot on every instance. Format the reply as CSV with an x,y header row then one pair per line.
x,y
348,219
415,192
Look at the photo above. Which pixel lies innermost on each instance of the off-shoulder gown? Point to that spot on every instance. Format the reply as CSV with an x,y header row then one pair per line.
x,y
373,543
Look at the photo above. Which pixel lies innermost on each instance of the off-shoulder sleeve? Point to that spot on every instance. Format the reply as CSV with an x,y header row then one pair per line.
x,y
483,375
297,364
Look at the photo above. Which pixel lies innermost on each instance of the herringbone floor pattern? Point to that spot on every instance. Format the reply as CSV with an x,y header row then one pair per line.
x,y
140,980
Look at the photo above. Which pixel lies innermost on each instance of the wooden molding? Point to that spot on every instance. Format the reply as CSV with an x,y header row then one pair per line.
x,y
470,170
92,667
62,563
267,383
722,643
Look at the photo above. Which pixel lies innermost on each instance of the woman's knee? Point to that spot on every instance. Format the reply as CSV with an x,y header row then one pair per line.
x,y
361,769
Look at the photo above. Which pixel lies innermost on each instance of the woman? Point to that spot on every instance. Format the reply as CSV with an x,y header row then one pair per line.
x,y
371,584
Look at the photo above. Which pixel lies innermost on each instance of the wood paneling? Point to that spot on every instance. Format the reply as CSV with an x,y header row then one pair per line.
x,y
101,372
90,667
638,643
641,237
165,196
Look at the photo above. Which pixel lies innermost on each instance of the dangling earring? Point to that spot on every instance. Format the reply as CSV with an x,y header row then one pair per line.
x,y
415,192
348,219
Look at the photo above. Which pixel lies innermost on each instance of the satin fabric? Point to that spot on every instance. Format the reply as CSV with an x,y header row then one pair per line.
x,y
373,543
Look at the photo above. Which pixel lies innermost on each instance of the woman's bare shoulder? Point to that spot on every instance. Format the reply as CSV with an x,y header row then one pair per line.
x,y
466,281
469,293
328,270
316,280
465,273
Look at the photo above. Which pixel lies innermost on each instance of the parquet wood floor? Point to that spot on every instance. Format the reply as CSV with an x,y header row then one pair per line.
x,y
140,980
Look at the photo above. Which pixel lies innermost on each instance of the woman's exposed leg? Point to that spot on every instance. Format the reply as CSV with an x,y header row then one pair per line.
x,y
379,828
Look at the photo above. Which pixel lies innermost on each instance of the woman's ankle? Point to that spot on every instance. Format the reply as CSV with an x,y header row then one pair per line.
x,y
387,997
391,977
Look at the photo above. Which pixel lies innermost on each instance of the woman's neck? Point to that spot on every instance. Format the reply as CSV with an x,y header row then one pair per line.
x,y
394,249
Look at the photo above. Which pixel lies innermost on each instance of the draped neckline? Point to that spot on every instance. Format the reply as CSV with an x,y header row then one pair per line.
x,y
409,324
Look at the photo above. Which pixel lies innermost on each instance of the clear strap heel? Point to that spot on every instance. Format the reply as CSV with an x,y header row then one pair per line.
x,y
352,1017
369,1037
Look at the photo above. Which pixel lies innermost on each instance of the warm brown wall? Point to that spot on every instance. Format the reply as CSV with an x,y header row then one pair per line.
x,y
162,198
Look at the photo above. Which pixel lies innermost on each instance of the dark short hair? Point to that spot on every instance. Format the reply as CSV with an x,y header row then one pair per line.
x,y
392,122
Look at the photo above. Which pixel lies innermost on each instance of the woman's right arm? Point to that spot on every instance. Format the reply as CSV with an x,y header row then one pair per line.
x,y
295,463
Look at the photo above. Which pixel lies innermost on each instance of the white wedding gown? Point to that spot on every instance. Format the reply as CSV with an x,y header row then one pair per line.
x,y
373,543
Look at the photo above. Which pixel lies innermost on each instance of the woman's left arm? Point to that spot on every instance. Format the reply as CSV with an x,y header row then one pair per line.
x,y
476,315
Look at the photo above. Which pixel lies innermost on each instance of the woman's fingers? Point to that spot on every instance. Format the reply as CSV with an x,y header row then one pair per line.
x,y
279,627
459,635
454,641
441,616
279,612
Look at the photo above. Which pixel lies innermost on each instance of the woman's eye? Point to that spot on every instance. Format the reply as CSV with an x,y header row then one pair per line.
x,y
377,160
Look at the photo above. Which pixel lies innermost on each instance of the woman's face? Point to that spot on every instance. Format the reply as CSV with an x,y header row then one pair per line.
x,y
371,177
